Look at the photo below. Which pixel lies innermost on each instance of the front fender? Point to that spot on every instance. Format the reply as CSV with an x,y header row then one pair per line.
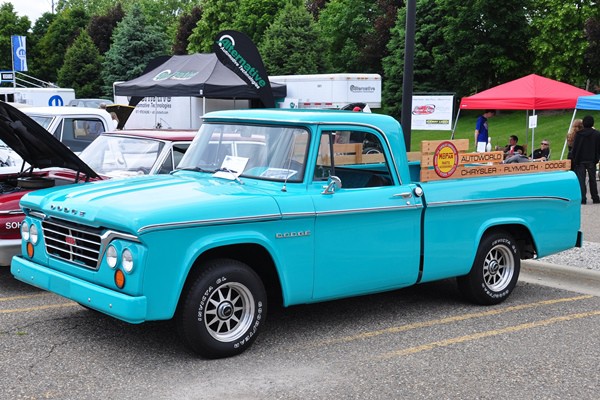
x,y
172,255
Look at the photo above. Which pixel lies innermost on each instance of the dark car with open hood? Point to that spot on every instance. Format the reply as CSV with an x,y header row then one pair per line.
x,y
47,162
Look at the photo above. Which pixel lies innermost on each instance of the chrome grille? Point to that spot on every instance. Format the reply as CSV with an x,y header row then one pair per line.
x,y
74,243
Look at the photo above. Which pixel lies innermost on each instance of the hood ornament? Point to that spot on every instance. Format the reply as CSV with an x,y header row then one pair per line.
x,y
67,210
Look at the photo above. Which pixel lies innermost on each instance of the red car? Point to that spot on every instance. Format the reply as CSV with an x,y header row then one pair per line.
x,y
47,162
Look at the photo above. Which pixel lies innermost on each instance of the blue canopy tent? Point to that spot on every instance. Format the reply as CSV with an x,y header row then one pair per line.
x,y
583,103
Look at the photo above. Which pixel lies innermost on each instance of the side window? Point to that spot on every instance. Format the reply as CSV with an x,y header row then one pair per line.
x,y
79,133
356,157
172,160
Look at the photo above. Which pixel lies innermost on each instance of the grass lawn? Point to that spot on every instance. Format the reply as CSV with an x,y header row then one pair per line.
x,y
552,125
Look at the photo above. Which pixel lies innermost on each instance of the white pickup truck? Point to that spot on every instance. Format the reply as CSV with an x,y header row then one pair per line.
x,y
76,127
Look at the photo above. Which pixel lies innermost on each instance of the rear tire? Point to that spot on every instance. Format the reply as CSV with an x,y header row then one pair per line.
x,y
495,271
223,310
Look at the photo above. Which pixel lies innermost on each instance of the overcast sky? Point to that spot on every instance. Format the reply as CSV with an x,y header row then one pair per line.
x,y
31,8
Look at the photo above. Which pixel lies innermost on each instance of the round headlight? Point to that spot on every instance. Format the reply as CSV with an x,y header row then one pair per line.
x,y
25,230
33,234
127,261
111,256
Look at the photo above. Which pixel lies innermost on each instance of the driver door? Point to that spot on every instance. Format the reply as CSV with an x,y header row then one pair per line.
x,y
367,233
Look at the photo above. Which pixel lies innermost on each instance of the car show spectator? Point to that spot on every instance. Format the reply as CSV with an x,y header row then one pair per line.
x,y
585,156
543,153
482,131
509,149
518,156
576,126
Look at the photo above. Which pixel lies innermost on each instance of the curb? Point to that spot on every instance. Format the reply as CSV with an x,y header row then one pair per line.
x,y
574,279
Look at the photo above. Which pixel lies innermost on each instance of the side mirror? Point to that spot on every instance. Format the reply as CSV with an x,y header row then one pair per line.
x,y
333,184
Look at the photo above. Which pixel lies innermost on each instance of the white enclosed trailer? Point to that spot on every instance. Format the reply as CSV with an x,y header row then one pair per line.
x,y
330,90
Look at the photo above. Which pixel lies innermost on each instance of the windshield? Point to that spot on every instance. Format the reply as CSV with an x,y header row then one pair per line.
x,y
265,152
118,156
42,120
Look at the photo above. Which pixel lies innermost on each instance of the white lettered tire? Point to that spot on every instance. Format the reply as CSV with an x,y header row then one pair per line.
x,y
223,310
495,271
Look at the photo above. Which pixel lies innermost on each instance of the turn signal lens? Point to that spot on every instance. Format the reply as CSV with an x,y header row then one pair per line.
x,y
29,250
25,230
119,279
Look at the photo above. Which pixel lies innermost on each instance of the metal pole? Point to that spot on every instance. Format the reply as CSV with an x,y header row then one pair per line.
x,y
407,80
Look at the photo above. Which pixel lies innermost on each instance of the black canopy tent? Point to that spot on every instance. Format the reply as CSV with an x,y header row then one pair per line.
x,y
196,75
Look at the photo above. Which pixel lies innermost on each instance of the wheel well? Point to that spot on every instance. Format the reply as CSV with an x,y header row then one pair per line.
x,y
253,255
522,237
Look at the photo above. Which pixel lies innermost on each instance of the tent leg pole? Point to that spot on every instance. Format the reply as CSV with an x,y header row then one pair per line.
x,y
454,128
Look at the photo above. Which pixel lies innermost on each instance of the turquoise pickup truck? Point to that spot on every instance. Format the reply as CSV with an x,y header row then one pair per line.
x,y
293,207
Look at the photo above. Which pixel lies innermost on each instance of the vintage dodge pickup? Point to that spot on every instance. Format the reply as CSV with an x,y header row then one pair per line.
x,y
293,207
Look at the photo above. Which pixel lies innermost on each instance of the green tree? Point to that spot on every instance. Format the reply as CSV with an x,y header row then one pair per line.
x,y
485,43
10,24
53,45
254,17
291,44
558,41
217,15
428,37
82,67
592,53
135,43
101,27
34,53
344,47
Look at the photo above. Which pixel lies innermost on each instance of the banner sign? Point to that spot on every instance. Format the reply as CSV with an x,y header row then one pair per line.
x,y
237,52
19,53
433,113
443,159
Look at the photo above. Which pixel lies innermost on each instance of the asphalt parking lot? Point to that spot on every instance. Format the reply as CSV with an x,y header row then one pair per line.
x,y
423,342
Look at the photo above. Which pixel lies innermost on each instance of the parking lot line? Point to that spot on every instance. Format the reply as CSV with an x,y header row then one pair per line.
x,y
456,318
38,308
29,296
485,334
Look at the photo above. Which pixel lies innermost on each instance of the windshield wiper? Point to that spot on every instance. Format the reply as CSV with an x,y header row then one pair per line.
x,y
232,172
196,169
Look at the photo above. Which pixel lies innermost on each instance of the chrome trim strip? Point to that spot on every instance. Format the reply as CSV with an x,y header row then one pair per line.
x,y
495,200
37,214
306,214
217,221
12,212
369,210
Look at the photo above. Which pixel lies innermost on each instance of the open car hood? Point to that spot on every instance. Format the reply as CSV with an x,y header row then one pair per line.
x,y
36,145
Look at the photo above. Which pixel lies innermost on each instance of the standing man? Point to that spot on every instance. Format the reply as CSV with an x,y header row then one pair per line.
x,y
586,151
481,130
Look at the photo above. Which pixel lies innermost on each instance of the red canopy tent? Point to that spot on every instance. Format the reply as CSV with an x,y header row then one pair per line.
x,y
532,92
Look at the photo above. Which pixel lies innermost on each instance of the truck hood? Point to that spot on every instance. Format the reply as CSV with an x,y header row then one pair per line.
x,y
140,204
36,145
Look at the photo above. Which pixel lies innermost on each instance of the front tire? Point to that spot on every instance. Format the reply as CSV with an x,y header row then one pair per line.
x,y
495,271
223,310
